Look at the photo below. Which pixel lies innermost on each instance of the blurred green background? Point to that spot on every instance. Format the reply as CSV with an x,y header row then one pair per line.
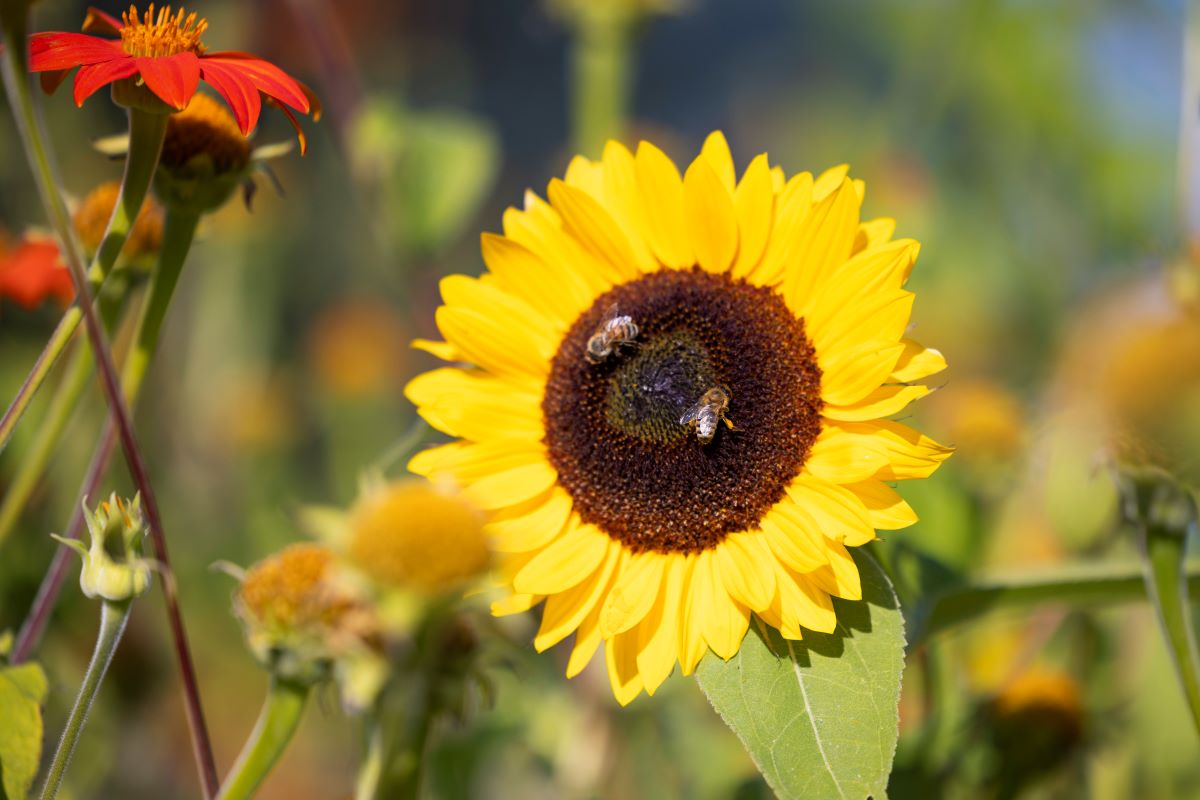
x,y
1031,147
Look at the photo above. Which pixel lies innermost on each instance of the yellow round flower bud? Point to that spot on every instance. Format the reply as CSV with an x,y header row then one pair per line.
x,y
410,533
92,215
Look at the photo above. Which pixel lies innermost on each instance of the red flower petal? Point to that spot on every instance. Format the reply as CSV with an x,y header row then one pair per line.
x,y
238,91
269,79
52,80
99,22
173,78
33,272
48,51
295,123
93,76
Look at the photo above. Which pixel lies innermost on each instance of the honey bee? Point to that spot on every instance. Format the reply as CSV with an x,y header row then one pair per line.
x,y
614,330
707,412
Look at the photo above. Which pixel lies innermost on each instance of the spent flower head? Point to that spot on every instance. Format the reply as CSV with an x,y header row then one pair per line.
x,y
299,618
113,567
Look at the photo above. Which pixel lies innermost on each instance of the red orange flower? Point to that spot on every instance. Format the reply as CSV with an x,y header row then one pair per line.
x,y
165,52
33,271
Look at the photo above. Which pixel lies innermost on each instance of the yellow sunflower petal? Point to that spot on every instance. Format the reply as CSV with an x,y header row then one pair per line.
x,y
838,458
443,350
917,362
792,208
880,318
534,529
874,232
658,633
886,509
829,180
587,640
587,220
507,309
822,243
564,611
476,406
515,604
837,512
882,402
840,578
858,281
710,217
754,204
620,652
468,461
486,340
910,454
728,620
585,174
851,374
661,190
624,202
553,289
512,486
744,560
693,610
803,603
565,562
716,152
633,593
792,545
540,228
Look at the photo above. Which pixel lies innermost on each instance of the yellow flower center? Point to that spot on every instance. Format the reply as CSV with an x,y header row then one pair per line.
x,y
161,34
92,215
205,127
291,590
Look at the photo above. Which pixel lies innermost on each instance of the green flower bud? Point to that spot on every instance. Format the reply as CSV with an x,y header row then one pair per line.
x,y
113,567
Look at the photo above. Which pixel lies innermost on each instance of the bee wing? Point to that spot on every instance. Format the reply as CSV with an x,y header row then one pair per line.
x,y
610,314
693,413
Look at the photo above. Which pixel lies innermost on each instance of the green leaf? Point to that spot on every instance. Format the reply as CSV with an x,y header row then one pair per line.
x,y
22,692
819,717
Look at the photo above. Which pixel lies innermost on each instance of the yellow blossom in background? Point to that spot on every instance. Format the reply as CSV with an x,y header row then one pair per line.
x,y
356,348
412,534
983,419
91,221
1037,723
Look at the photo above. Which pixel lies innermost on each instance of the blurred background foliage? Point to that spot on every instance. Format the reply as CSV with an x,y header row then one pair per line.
x,y
1031,148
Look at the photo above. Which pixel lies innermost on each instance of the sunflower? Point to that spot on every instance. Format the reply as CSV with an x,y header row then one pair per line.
x,y
164,52
608,501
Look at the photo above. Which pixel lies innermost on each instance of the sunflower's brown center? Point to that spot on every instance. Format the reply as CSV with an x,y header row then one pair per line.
x,y
205,128
613,429
161,34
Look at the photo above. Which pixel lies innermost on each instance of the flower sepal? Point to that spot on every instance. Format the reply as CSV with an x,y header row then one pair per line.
x,y
134,94
116,527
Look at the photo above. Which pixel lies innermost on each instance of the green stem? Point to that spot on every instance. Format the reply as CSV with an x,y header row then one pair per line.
x,y
1073,585
113,618
278,721
62,405
146,132
178,232
369,774
600,76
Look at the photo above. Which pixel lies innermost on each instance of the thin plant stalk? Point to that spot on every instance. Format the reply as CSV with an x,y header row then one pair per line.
x,y
113,618
146,134
276,724
62,405
600,75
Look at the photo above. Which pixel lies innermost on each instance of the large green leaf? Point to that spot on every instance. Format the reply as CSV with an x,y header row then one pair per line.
x,y
22,692
819,717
